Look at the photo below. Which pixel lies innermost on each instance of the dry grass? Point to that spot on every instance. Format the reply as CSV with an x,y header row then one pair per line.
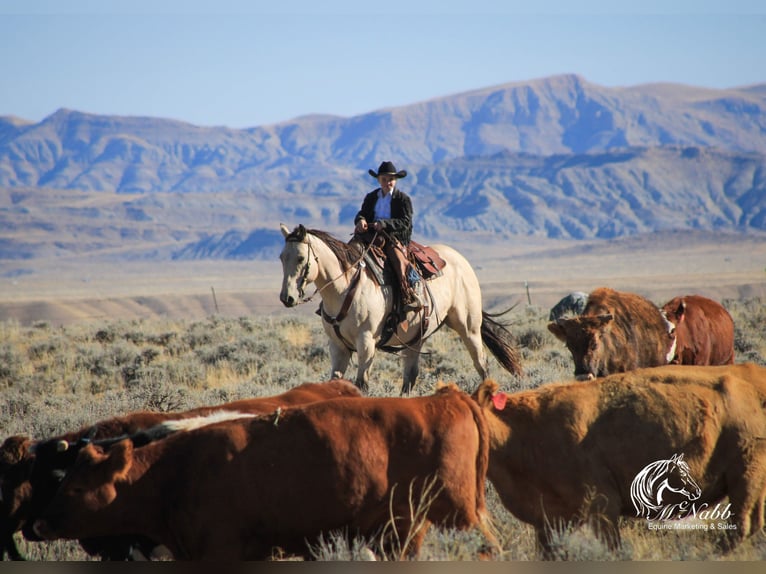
x,y
54,379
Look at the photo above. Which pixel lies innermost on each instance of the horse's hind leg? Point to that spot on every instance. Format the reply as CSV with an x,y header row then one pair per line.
x,y
470,333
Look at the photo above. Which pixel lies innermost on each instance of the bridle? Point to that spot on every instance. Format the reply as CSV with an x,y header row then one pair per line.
x,y
304,273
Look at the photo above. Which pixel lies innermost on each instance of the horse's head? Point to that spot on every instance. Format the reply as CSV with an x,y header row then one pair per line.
x,y
680,480
297,268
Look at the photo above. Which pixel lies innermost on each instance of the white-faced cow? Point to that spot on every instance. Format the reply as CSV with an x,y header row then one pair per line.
x,y
616,332
565,453
703,329
243,489
30,471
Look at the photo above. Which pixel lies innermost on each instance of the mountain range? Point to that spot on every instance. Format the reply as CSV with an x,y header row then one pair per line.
x,y
557,157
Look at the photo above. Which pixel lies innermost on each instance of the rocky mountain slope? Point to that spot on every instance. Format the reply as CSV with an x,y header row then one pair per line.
x,y
557,157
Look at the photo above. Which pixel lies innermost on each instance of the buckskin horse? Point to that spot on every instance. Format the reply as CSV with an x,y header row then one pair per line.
x,y
355,308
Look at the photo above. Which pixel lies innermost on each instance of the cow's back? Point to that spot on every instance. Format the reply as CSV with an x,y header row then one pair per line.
x,y
571,304
704,330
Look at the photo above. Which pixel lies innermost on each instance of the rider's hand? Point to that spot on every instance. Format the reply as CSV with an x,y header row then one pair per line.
x,y
361,226
378,226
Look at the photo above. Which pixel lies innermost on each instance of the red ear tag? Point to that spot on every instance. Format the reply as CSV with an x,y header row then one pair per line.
x,y
499,400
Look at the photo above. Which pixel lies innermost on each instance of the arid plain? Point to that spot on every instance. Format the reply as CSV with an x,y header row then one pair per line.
x,y
64,290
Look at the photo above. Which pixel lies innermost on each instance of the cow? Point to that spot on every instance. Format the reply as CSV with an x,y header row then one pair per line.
x,y
250,489
30,470
570,453
703,329
616,332
569,306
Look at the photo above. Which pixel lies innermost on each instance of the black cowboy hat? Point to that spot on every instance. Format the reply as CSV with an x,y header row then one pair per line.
x,y
387,168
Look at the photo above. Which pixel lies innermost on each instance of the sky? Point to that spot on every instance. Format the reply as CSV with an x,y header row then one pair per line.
x,y
246,63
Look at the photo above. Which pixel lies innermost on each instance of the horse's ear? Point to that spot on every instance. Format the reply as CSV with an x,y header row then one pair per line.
x,y
284,230
300,232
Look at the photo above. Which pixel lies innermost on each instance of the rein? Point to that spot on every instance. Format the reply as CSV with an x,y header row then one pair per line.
x,y
359,264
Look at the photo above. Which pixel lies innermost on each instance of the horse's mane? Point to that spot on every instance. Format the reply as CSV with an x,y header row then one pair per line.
x,y
642,489
347,253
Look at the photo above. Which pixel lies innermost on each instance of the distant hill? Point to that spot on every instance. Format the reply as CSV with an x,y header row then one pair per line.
x,y
557,157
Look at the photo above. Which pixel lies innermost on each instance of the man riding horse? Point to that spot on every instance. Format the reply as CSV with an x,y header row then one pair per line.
x,y
387,213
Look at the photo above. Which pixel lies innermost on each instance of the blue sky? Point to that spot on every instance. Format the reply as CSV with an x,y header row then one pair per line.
x,y
247,63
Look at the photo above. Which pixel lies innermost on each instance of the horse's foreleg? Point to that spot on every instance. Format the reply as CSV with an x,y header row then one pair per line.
x,y
411,358
365,353
340,357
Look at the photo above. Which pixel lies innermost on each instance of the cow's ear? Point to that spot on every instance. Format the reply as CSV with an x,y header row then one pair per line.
x,y
483,394
15,449
681,311
119,459
558,331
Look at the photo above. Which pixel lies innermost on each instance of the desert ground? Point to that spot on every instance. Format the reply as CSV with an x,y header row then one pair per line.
x,y
84,339
66,290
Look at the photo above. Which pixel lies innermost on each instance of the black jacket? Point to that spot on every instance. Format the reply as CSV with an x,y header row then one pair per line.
x,y
400,224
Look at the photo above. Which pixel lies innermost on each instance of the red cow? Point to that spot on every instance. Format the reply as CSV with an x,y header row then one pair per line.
x,y
382,468
704,331
29,469
566,453
616,332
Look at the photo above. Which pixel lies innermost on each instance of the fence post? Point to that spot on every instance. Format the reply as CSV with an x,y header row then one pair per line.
x,y
215,301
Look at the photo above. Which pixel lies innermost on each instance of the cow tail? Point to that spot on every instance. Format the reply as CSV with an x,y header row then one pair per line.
x,y
482,457
500,343
482,467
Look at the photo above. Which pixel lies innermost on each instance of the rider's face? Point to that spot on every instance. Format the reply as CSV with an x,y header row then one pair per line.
x,y
387,183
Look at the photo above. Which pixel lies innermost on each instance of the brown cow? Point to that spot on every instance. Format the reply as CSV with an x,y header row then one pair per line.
x,y
616,332
29,469
249,488
563,446
704,331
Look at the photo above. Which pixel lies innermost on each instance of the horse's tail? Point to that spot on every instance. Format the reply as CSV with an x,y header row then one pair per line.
x,y
500,343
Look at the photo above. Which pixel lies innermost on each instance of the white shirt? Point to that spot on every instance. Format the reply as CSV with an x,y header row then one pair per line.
x,y
383,206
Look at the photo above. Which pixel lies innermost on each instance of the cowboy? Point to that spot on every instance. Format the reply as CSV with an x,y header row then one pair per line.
x,y
388,210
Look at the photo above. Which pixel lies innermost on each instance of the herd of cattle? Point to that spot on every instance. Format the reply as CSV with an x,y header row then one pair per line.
x,y
266,477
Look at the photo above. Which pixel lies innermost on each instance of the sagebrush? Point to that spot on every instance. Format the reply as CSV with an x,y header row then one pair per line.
x,y
57,379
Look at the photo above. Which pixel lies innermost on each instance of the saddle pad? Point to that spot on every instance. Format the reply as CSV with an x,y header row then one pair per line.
x,y
428,260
